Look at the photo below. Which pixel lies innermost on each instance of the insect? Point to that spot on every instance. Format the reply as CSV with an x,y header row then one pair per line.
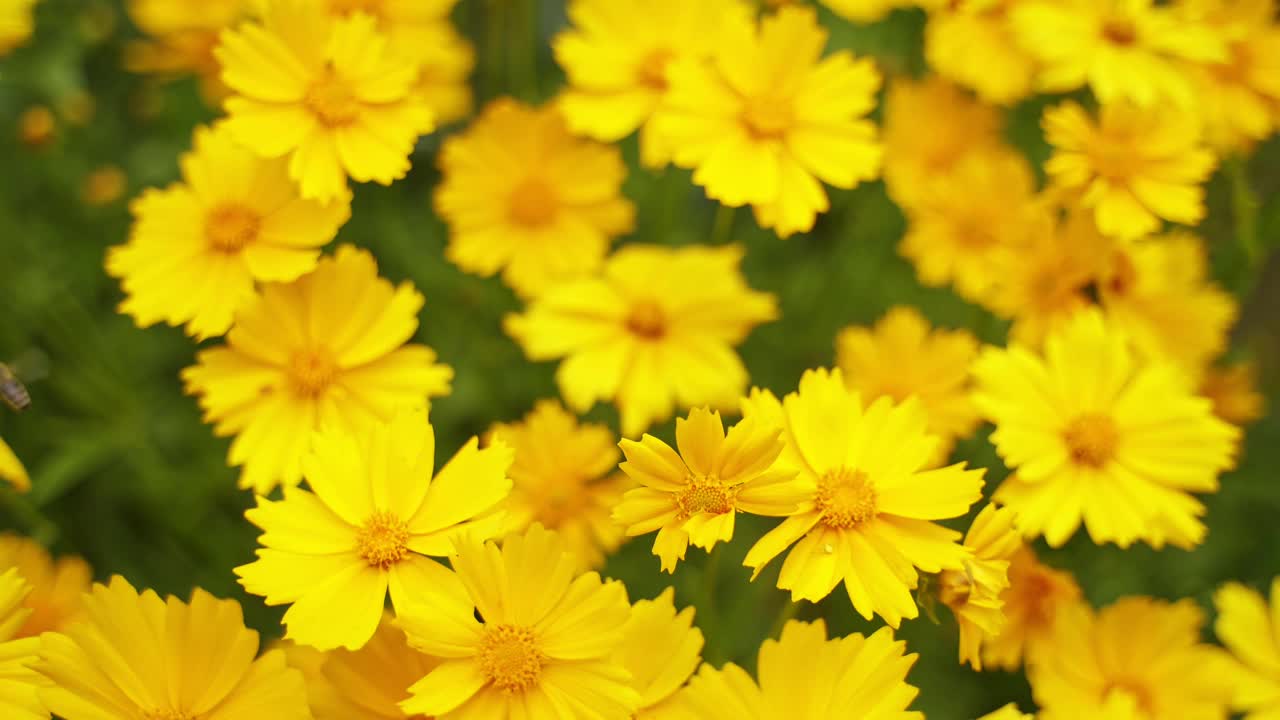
x,y
12,391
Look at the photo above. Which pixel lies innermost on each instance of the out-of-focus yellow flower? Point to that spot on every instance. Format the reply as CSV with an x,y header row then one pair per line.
x,y
865,11
1031,603
135,655
57,587
616,57
1247,625
16,23
661,649
181,39
1141,654
326,350
1008,712
769,119
565,478
12,470
1130,51
975,593
197,247
655,330
972,43
868,520
694,495
904,357
38,126
1233,389
103,186
525,197
329,94
1093,433
18,681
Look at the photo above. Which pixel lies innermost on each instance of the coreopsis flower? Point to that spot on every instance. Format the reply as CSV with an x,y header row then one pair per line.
x,y
769,119
901,357
802,674
329,94
1247,626
11,469
1139,652
868,516
1131,51
327,350
865,11
180,38
57,586
1132,167
1031,602
373,520
197,247
138,656
530,637
660,648
975,593
693,496
1008,712
1094,433
1233,390
654,330
18,681
616,55
16,23
972,43
564,477
523,196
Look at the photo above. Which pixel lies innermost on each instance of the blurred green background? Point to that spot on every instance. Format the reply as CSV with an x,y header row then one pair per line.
x,y
126,475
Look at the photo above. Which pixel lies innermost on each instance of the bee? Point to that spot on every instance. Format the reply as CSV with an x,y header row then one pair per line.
x,y
12,391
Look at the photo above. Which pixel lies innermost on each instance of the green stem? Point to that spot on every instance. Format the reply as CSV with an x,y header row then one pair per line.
x,y
533,40
495,47
708,616
723,226
1244,205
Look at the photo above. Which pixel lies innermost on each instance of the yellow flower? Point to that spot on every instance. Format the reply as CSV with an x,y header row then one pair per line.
x,y
1131,51
805,675
693,495
769,119
1133,167
1031,602
1233,389
565,478
1139,652
616,57
868,519
1248,626
372,517
57,587
903,357
533,639
865,11
972,43
1094,433
325,350
330,94
18,681
181,37
11,469
1008,712
975,593
198,246
523,196
137,656
655,329
16,23
660,649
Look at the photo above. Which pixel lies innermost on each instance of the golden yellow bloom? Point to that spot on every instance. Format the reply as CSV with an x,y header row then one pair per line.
x,y
544,640
327,350
660,649
1095,434
16,23
768,120
1133,167
37,126
57,587
975,593
1247,625
137,656
1233,389
805,675
655,330
693,495
565,478
104,186
372,521
868,517
1035,594
329,94
1146,651
972,43
616,56
904,357
1131,51
12,470
1008,712
865,11
18,681
197,247
181,37
523,196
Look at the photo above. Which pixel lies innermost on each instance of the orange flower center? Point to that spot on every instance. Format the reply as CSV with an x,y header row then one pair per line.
x,y
532,204
1134,689
652,72
510,658
846,498
954,587
767,118
331,100
1091,439
312,371
1120,31
384,540
705,494
646,321
230,227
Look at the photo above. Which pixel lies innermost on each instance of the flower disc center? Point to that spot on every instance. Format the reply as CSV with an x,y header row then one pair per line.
x,y
532,204
312,371
384,540
331,101
1091,439
228,228
846,498
510,658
